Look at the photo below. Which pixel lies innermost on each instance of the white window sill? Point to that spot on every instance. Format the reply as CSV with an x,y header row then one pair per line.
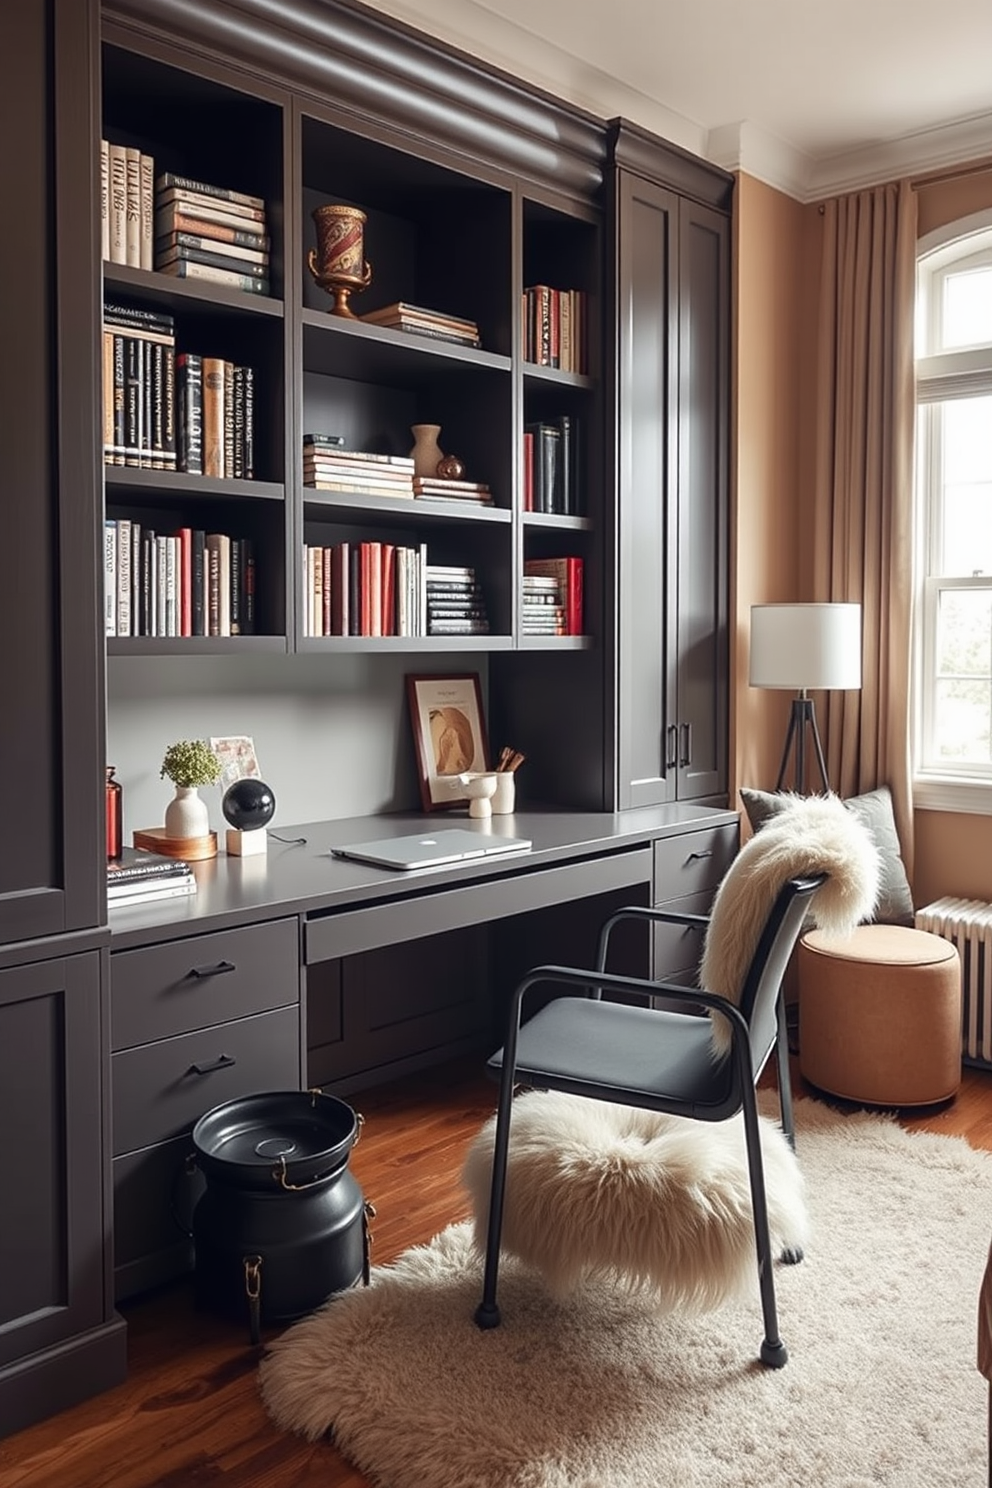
x,y
944,793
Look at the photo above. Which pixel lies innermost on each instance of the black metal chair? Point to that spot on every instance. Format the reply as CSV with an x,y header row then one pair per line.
x,y
658,1058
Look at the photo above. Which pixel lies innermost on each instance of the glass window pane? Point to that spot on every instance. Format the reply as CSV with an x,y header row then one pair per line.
x,y
964,634
967,308
962,732
963,430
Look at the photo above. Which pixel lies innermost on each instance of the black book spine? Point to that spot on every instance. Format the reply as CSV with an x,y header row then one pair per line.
x,y
198,624
119,399
169,407
189,378
239,423
237,554
132,399
249,435
158,406
248,587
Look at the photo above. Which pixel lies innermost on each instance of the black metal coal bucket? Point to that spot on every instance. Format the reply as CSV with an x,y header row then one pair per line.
x,y
282,1223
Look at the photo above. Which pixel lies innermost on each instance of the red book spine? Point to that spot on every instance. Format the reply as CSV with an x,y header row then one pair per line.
x,y
364,587
185,535
326,592
573,599
388,589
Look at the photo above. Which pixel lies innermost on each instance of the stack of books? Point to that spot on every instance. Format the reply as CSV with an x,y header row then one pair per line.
x,y
552,596
438,488
455,602
137,877
422,322
211,233
329,467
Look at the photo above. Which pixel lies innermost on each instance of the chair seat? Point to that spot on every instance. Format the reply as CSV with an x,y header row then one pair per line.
x,y
591,1047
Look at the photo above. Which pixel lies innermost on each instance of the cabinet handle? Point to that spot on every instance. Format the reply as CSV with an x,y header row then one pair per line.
x,y
672,756
215,970
707,854
224,1061
686,744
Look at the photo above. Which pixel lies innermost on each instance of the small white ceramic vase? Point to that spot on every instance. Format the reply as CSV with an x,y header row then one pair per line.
x,y
480,786
186,814
505,794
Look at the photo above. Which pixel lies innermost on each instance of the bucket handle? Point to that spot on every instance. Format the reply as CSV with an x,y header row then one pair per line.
x,y
279,1171
253,1291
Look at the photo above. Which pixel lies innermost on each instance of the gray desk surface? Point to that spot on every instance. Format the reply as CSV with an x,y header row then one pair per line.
x,y
302,878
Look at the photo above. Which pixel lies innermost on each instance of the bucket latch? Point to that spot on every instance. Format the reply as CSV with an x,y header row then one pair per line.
x,y
253,1291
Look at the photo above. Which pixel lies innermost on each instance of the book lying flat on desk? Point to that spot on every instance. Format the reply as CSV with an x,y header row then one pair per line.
x,y
137,865
144,893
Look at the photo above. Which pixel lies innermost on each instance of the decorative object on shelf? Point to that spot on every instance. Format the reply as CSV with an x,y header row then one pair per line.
x,y
446,715
236,756
249,806
480,788
189,763
450,468
804,647
338,262
505,795
426,453
115,816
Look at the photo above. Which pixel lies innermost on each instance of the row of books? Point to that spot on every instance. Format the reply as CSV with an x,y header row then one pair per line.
x,y
419,321
552,466
184,583
211,233
554,327
138,876
552,597
384,589
169,410
126,195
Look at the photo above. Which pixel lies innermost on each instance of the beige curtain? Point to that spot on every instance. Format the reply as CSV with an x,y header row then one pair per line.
x,y
863,514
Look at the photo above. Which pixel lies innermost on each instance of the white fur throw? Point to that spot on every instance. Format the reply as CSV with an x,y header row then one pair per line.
x,y
660,1203
813,834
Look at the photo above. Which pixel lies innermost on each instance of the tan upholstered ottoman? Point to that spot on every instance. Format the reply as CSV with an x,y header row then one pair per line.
x,y
880,1015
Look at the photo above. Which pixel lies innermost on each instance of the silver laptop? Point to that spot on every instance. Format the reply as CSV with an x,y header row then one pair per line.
x,y
431,849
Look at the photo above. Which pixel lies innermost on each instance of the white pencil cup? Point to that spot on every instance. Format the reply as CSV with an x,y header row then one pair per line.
x,y
504,797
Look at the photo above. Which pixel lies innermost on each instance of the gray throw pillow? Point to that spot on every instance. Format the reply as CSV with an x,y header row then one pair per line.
x,y
874,811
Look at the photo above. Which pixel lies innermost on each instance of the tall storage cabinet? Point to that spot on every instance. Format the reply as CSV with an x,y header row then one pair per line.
x,y
670,235
59,1336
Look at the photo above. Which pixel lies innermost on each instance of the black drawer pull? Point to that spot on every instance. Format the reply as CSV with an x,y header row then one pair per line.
x,y
224,1061
215,970
707,854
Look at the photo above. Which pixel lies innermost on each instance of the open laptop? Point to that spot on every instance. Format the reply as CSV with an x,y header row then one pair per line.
x,y
431,849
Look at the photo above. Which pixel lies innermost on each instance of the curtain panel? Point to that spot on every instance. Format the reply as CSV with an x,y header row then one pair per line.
x,y
862,530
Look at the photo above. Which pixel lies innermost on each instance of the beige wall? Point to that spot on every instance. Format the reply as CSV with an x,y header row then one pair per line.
x,y
776,262
766,529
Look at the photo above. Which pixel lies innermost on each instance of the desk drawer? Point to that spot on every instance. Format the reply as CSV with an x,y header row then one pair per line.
x,y
181,985
693,861
417,915
161,1089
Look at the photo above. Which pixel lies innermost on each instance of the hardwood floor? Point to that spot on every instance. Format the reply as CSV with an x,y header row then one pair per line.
x,y
189,1412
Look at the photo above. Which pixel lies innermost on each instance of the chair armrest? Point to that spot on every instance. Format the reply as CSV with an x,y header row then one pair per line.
x,y
641,912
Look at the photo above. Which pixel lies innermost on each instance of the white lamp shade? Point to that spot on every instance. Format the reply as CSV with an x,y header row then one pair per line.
x,y
806,646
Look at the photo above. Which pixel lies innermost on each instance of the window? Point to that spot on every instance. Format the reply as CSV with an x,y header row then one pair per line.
x,y
953,637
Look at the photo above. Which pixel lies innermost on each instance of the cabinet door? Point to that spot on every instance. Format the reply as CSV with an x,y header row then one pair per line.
x,y
51,739
702,502
54,1231
647,408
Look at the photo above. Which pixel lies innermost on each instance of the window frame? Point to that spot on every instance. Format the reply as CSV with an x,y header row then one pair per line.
x,y
941,377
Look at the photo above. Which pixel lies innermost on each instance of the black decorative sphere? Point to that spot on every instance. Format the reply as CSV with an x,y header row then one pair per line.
x,y
248,804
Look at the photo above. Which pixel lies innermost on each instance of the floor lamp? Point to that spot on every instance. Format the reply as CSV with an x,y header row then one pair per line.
x,y
805,647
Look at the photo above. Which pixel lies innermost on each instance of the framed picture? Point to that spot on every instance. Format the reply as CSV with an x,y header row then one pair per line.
x,y
449,735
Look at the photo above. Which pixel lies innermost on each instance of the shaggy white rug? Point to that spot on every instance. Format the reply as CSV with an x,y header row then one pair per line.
x,y
602,1391
655,1202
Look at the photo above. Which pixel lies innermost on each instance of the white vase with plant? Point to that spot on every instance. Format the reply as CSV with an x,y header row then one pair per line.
x,y
189,763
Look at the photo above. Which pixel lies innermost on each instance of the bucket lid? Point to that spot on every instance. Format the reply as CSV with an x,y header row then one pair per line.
x,y
303,1133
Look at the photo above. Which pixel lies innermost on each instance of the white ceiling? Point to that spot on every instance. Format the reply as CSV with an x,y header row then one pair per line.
x,y
813,96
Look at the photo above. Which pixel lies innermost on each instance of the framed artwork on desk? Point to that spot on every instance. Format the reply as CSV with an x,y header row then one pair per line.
x,y
448,733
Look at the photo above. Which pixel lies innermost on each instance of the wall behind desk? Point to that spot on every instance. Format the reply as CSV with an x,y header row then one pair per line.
x,y
332,734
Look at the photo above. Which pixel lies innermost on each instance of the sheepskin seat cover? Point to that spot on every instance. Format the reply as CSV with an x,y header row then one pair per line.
x,y
813,834
658,1203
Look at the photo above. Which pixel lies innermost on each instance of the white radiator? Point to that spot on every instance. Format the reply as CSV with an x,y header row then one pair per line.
x,y
967,923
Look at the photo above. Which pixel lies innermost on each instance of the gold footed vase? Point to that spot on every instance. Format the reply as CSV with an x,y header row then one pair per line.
x,y
338,263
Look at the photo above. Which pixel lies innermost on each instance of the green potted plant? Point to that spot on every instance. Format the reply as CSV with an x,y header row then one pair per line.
x,y
189,763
